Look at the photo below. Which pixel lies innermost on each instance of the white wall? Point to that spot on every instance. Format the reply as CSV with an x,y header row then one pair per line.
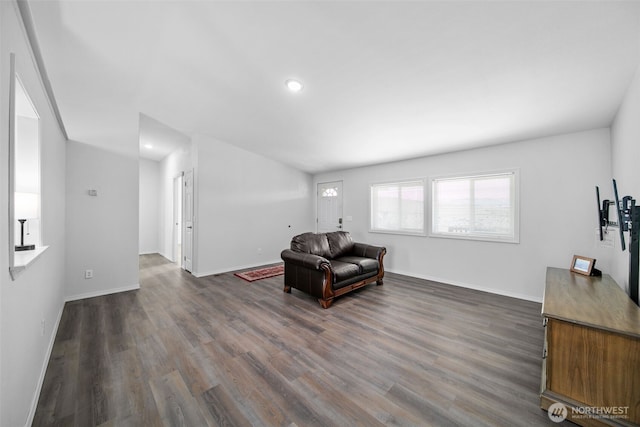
x,y
170,167
557,213
149,206
37,295
248,207
625,149
102,231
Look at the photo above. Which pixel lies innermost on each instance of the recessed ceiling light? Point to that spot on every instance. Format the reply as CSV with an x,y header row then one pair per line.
x,y
149,146
294,85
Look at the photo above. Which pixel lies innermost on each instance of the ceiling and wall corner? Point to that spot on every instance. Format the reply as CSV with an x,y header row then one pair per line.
x,y
383,81
157,140
27,20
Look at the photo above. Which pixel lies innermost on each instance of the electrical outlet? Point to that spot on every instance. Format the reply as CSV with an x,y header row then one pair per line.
x,y
88,274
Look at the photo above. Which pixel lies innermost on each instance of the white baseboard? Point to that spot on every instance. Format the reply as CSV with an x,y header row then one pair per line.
x,y
43,370
470,286
102,292
410,274
235,268
168,258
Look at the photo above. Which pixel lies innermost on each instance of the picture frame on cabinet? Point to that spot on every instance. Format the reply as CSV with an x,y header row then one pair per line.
x,y
583,265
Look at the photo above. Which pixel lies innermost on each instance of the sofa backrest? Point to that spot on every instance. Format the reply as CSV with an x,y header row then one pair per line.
x,y
311,243
328,245
340,243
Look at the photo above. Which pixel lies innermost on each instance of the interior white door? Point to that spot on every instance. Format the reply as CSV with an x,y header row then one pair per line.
x,y
329,217
177,220
187,220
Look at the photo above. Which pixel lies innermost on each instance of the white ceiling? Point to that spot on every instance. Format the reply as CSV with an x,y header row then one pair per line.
x,y
158,140
383,80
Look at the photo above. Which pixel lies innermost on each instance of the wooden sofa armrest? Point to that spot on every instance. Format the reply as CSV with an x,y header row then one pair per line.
x,y
309,273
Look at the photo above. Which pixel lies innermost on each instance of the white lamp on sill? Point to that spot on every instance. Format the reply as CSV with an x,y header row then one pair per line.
x,y
25,207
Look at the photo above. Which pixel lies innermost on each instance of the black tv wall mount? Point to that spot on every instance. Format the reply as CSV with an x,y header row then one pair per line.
x,y
628,220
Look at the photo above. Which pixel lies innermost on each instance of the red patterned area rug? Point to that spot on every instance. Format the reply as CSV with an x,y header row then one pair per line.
x,y
261,273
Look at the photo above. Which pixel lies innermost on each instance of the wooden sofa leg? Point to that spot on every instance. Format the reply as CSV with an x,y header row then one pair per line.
x,y
287,289
325,303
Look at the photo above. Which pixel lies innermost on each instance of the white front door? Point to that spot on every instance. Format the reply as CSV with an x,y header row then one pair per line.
x,y
329,216
187,220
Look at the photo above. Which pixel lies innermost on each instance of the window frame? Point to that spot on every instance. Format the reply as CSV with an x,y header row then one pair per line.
x,y
405,232
20,260
514,238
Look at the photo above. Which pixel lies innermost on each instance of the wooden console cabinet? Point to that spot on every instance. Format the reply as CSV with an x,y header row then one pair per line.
x,y
591,357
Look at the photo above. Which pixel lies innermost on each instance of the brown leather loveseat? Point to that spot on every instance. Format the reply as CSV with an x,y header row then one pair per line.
x,y
327,265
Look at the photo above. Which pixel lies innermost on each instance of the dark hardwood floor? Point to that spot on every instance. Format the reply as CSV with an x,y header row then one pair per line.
x,y
220,351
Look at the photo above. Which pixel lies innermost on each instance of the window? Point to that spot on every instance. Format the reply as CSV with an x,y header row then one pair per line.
x,y
26,170
483,207
398,207
25,241
330,192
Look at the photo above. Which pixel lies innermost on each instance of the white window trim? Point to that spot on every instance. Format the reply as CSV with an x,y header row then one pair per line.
x,y
22,260
19,261
425,195
478,236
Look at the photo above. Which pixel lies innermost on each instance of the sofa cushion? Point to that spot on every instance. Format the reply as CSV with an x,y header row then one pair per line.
x,y
340,243
311,243
299,243
365,265
343,270
354,279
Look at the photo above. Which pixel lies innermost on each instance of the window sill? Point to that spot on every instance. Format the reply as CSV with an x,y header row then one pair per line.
x,y
476,237
23,259
399,232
